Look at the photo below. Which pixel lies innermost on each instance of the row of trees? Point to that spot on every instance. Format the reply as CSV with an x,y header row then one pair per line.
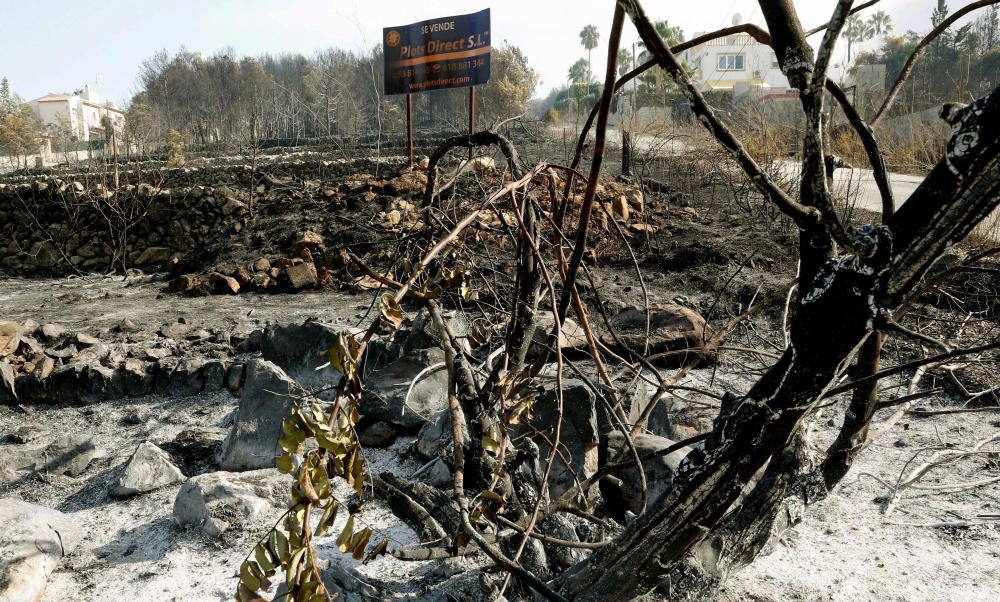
x,y
228,99
961,64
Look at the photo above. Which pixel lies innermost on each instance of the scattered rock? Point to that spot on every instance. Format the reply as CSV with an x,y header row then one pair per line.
x,y
301,276
307,239
571,336
406,184
10,338
126,325
224,285
53,332
32,542
267,398
579,435
234,378
659,471
435,473
67,455
377,434
218,501
435,435
8,384
149,468
676,333
177,331
84,341
391,397
26,433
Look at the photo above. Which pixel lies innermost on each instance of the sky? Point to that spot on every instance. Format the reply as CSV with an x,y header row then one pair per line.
x,y
60,45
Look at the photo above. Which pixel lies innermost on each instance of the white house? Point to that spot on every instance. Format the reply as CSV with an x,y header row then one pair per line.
x,y
82,113
737,64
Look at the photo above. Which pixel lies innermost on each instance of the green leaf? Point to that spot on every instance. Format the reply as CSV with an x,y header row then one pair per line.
x,y
285,463
247,576
264,559
293,567
278,544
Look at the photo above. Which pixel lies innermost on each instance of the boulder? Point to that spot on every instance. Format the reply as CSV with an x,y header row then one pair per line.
x,y
32,542
67,455
267,398
435,473
187,379
390,396
676,333
214,376
148,469
424,332
579,436
217,501
659,471
299,349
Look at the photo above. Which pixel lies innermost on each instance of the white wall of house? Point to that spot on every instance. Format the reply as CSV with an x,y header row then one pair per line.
x,y
736,61
82,113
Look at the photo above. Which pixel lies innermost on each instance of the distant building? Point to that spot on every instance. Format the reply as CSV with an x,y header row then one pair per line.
x,y
82,113
737,64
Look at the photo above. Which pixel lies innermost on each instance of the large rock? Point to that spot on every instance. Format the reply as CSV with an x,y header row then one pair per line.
x,y
218,501
67,455
659,471
267,399
148,469
579,435
676,333
390,396
299,349
32,542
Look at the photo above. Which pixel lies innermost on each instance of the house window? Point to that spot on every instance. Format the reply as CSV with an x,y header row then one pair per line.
x,y
730,62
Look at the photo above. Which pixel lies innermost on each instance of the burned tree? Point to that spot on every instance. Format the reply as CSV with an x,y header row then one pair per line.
x,y
729,495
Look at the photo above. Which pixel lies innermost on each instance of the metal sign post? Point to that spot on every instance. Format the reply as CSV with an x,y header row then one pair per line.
x,y
409,126
472,117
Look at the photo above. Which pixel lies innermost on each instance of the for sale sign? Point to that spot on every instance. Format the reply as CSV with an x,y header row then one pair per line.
x,y
451,52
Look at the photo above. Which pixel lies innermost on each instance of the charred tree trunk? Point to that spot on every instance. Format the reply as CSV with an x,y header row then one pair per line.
x,y
712,520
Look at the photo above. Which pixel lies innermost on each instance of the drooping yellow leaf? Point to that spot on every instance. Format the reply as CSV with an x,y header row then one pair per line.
x,y
390,311
359,541
344,539
377,551
329,516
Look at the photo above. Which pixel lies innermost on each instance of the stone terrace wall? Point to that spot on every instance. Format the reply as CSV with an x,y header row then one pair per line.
x,y
75,222
59,227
